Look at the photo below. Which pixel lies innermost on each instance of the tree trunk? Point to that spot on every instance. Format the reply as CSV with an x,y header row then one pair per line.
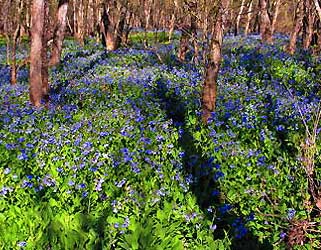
x,y
308,23
249,18
296,27
127,28
238,18
37,30
80,22
209,92
265,23
148,12
193,9
13,73
183,43
104,25
59,32
119,29
275,14
318,8
112,25
44,55
171,27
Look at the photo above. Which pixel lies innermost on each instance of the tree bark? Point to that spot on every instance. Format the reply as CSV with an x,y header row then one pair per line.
x,y
318,8
249,18
183,43
308,23
265,23
44,55
37,30
209,92
275,14
112,24
296,27
171,27
13,73
80,22
59,32
238,18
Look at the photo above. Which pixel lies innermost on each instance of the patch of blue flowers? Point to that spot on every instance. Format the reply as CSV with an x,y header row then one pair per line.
x,y
121,160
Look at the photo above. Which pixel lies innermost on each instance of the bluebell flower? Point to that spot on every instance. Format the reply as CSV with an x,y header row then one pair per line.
x,y
82,185
282,235
121,183
215,193
7,170
22,244
291,213
225,208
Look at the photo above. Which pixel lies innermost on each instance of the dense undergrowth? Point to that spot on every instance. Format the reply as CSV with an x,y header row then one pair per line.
x,y
120,159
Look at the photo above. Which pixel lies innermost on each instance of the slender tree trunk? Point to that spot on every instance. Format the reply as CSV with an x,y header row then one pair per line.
x,y
318,8
8,49
183,43
13,78
44,55
37,30
59,32
80,22
238,18
308,23
75,21
104,24
193,9
171,27
265,22
119,28
127,28
249,18
209,92
275,15
148,12
296,27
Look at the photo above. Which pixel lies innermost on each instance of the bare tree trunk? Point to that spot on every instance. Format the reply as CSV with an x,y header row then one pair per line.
x,y
80,22
318,8
75,21
275,14
265,22
7,28
183,43
308,23
112,25
148,12
193,10
296,27
59,32
44,55
238,18
171,27
119,28
127,28
13,78
104,24
209,92
37,30
249,18
8,49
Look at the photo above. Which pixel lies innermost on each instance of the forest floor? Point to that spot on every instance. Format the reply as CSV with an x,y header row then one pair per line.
x,y
121,159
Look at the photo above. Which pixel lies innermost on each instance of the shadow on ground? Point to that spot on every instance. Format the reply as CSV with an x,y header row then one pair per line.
x,y
201,170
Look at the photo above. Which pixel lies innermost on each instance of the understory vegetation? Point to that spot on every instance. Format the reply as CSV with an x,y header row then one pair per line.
x,y
121,160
